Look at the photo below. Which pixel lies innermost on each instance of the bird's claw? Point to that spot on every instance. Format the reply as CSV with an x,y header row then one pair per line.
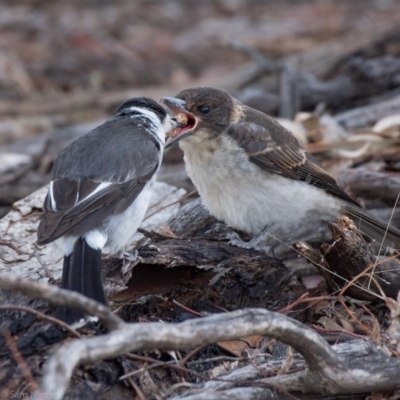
x,y
253,244
129,260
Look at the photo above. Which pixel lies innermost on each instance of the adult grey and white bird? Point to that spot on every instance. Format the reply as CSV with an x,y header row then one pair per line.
x,y
99,192
253,174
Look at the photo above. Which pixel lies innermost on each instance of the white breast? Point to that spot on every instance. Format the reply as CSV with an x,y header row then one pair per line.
x,y
118,231
121,228
238,192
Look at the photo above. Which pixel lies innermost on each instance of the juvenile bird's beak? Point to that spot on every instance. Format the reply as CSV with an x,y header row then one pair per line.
x,y
186,120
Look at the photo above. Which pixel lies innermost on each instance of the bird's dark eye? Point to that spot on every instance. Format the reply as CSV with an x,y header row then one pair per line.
x,y
204,109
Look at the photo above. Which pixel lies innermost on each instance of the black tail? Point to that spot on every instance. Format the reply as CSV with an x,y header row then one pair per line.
x,y
81,273
374,227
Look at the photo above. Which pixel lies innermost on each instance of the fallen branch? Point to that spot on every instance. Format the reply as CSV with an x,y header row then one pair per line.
x,y
369,184
361,117
188,334
247,382
326,371
61,297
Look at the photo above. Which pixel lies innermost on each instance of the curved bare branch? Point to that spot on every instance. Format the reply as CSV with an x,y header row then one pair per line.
x,y
61,297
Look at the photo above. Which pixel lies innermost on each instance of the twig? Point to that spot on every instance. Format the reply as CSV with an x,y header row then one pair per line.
x,y
353,318
11,223
14,247
182,361
137,357
61,297
185,196
311,255
129,301
265,63
353,281
156,363
191,354
44,266
25,371
139,393
337,332
383,239
42,316
303,299
163,364
187,309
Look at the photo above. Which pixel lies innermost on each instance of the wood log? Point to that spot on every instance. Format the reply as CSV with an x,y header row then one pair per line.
x,y
367,115
369,184
348,259
25,259
247,381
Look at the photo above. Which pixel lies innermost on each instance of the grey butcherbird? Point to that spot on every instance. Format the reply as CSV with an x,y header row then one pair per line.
x,y
99,192
252,173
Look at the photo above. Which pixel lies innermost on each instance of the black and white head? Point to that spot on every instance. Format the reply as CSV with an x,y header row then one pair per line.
x,y
150,114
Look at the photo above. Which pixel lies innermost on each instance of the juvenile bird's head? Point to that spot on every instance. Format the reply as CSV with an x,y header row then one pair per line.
x,y
204,113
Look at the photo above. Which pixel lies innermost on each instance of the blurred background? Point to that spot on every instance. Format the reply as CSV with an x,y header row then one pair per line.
x,y
329,69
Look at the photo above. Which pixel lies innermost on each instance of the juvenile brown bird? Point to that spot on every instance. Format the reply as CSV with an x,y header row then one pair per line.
x,y
253,174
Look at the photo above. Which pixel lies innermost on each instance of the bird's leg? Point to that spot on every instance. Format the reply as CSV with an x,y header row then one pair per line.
x,y
255,243
129,259
218,229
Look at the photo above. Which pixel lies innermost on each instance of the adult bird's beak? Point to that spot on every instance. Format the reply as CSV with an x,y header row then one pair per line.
x,y
186,120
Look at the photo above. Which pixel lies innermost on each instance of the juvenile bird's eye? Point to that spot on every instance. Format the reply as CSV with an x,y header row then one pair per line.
x,y
204,109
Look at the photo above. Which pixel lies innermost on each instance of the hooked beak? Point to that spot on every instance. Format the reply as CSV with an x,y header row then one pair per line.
x,y
186,120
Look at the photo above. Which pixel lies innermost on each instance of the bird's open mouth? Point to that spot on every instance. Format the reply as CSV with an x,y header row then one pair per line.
x,y
186,120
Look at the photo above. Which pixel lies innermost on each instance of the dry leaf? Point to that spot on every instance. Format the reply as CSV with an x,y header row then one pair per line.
x,y
347,326
332,131
354,153
222,368
388,126
312,281
236,347
394,329
329,324
297,129
321,306
166,231
288,362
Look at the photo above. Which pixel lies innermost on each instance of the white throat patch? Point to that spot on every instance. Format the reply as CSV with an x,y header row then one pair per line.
x,y
157,128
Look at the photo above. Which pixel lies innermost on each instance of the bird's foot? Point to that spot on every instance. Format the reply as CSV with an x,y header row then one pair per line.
x,y
254,244
129,260
219,229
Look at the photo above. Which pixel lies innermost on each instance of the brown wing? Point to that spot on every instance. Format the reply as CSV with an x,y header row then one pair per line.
x,y
275,149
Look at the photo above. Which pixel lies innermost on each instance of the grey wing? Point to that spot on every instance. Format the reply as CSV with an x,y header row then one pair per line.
x,y
82,194
275,149
114,151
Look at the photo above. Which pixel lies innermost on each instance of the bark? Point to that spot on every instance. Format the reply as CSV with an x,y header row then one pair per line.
x,y
367,115
370,184
348,259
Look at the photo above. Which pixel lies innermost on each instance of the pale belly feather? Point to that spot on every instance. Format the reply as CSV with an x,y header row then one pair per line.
x,y
238,192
